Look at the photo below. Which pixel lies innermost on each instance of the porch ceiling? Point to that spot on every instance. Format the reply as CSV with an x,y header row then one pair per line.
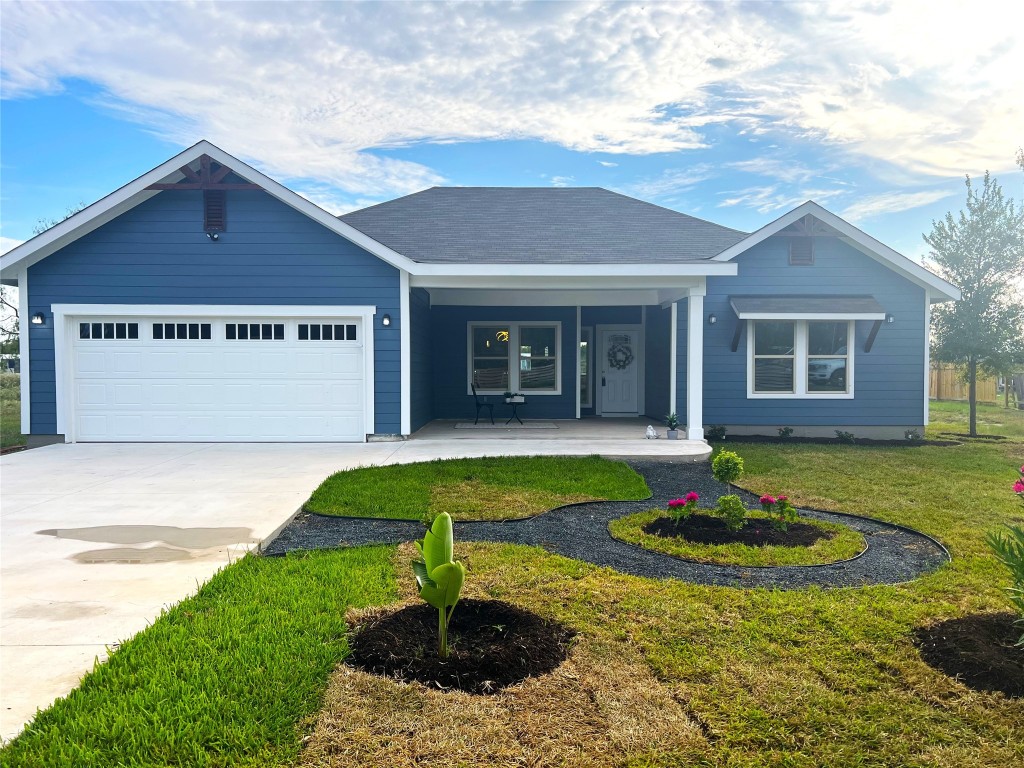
x,y
597,292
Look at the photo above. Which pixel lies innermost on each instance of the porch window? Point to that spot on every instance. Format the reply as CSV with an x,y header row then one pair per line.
x,y
586,346
515,357
800,358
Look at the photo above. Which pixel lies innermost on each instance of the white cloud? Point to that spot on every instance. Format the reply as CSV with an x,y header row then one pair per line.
x,y
321,92
562,181
672,181
9,243
607,164
771,199
892,202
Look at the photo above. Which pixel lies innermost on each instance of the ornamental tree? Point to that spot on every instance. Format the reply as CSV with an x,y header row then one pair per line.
x,y
982,251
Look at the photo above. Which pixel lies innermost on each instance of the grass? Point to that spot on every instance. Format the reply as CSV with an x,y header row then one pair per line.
x,y
224,678
10,410
952,416
664,673
846,543
475,489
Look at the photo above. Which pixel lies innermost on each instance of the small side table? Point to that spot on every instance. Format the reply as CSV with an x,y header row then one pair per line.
x,y
515,402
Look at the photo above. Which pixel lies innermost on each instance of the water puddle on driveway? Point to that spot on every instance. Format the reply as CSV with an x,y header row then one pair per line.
x,y
181,542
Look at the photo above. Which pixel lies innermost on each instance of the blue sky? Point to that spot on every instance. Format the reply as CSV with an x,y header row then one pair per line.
x,y
735,112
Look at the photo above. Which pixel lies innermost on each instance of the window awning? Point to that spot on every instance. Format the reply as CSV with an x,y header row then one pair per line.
x,y
807,308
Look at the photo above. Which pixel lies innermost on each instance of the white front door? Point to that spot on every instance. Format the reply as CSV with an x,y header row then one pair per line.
x,y
619,361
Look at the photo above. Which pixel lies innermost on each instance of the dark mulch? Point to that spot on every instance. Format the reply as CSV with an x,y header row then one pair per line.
x,y
964,436
493,645
833,441
978,650
704,529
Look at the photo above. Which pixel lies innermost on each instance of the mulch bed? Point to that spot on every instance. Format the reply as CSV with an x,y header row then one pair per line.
x,y
978,650
704,529
832,441
492,644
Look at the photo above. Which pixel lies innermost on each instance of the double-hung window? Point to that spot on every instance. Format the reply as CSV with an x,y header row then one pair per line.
x,y
515,357
800,358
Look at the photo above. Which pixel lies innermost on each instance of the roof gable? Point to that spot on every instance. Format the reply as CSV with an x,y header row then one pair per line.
x,y
824,220
539,225
135,192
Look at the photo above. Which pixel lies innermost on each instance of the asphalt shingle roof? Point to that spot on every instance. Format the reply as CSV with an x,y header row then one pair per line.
x,y
538,225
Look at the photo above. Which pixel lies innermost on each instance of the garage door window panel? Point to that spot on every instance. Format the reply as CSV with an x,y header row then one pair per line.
x,y
108,331
254,331
327,332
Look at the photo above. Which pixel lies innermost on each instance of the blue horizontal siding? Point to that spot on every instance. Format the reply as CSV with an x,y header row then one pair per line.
x,y
888,381
157,253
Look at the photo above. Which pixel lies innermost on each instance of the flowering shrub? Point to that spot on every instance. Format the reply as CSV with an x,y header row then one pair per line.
x,y
780,509
679,509
732,511
1009,550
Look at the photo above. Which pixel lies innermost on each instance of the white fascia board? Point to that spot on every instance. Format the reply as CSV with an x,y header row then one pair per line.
x,y
135,192
504,271
940,289
218,310
798,315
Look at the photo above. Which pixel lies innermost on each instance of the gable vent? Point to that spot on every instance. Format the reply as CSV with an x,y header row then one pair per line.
x,y
215,210
801,251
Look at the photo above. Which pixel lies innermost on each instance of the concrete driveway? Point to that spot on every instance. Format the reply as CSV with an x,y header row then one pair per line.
x,y
98,538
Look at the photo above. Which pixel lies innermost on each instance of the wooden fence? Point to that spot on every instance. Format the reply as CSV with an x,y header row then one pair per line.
x,y
947,383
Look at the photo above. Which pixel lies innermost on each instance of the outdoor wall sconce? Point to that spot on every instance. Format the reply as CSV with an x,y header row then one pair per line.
x,y
712,319
890,319
386,320
38,319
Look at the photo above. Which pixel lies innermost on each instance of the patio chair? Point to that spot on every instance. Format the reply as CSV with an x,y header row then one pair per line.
x,y
481,403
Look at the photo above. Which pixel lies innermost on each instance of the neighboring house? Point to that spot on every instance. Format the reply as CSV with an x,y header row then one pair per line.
x,y
204,301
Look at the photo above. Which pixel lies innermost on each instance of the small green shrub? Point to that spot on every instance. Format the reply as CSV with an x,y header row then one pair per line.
x,y
440,578
1009,550
727,467
672,421
732,511
912,435
785,432
715,432
845,437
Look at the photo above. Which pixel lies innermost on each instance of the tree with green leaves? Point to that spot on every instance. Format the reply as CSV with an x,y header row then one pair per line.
x,y
981,250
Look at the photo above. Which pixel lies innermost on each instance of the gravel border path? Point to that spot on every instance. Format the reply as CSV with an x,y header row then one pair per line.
x,y
894,554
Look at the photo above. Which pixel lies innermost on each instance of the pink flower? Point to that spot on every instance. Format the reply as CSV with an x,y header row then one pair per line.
x,y
692,496
766,499
783,498
677,503
1018,487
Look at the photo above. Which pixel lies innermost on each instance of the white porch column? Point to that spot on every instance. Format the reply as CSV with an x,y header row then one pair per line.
x,y
673,359
405,355
695,364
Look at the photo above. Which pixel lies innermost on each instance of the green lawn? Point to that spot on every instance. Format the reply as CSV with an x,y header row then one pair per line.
x,y
844,544
952,416
10,411
663,673
475,489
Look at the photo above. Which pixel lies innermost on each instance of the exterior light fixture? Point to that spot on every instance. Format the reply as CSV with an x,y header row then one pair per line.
x,y
890,319
213,235
386,320
38,319
712,319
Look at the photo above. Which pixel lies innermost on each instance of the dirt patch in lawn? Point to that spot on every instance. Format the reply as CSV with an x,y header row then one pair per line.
x,y
476,500
704,529
492,645
978,650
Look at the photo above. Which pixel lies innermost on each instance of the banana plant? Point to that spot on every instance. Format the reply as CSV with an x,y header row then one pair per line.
x,y
439,577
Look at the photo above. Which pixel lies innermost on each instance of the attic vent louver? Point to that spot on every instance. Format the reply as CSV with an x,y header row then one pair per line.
x,y
215,210
801,251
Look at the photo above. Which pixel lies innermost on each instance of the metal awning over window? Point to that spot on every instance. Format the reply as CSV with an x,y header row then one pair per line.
x,y
807,308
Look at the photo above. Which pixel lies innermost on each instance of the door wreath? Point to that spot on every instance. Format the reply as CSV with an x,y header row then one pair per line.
x,y
620,356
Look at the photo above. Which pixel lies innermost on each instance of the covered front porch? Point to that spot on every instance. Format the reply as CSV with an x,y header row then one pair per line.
x,y
559,437
597,358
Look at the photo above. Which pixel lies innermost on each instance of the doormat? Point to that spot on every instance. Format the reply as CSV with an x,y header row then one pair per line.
x,y
502,425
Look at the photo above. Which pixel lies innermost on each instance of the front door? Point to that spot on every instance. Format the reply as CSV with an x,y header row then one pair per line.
x,y
619,352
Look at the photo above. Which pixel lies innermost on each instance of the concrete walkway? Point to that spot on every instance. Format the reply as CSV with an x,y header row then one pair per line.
x,y
97,539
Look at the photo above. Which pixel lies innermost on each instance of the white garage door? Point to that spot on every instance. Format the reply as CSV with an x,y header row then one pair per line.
x,y
218,379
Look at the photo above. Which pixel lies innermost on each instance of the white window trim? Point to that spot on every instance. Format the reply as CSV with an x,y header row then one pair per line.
x,y
588,332
800,365
65,317
513,358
